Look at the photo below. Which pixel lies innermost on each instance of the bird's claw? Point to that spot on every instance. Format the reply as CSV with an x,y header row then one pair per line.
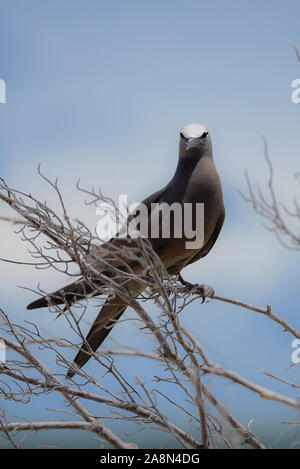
x,y
206,291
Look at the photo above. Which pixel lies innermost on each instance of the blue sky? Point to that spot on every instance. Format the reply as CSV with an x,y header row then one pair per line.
x,y
99,91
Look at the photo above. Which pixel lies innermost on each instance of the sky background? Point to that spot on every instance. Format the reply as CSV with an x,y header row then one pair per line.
x,y
98,91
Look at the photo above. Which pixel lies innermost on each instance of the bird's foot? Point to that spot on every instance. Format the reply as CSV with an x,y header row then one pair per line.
x,y
206,291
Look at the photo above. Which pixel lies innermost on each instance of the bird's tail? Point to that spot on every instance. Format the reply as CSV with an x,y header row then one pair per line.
x,y
109,314
68,295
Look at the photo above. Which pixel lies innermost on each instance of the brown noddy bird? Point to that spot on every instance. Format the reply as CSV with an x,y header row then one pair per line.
x,y
195,181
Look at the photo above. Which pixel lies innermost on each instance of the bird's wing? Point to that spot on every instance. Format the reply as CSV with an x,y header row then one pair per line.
x,y
205,250
78,290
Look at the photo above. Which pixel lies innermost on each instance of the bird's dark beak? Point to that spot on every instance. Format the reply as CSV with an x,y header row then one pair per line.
x,y
192,143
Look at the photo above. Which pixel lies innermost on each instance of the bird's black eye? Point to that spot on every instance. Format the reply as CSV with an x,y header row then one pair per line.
x,y
204,135
182,136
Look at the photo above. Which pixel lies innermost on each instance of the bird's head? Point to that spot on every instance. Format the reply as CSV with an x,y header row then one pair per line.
x,y
194,141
